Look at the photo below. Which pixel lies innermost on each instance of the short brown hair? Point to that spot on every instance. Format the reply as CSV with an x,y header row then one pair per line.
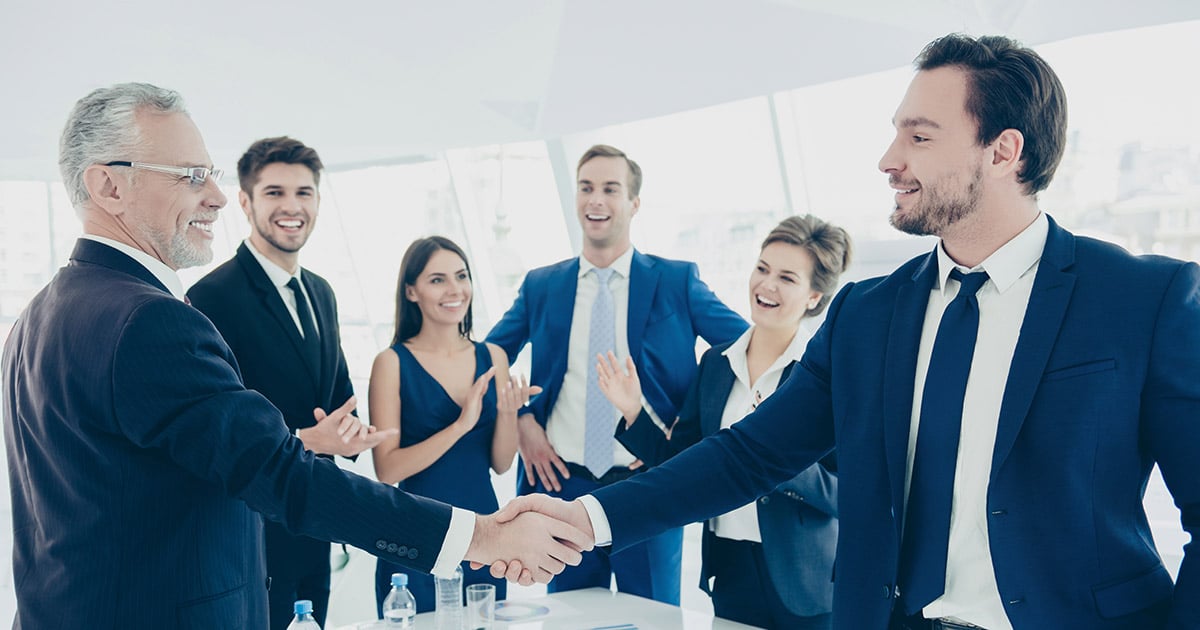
x,y
604,150
1009,86
829,246
269,151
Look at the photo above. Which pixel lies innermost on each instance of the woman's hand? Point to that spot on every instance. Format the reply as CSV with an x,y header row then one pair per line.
x,y
621,387
474,403
512,396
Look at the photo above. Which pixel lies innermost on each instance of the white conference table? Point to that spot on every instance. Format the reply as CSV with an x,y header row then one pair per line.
x,y
588,609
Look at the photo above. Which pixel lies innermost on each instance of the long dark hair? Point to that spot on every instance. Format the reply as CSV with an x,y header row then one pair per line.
x,y
408,314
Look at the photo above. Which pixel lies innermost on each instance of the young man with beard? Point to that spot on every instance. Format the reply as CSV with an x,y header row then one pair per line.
x,y
281,322
997,405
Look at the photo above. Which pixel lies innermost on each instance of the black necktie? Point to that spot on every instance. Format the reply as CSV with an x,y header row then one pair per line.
x,y
931,490
312,344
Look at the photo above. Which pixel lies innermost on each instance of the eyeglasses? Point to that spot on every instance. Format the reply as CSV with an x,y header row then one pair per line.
x,y
195,174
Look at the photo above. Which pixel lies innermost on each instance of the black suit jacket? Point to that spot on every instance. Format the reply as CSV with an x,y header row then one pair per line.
x,y
138,461
247,310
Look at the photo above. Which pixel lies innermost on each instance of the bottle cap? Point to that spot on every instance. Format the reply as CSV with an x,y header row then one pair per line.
x,y
303,607
399,579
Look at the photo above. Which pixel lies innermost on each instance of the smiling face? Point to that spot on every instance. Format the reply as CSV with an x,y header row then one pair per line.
x,y
603,202
935,163
282,210
781,290
166,215
442,291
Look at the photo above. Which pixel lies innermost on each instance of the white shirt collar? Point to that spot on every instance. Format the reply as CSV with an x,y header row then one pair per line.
x,y
278,275
1007,264
158,268
621,265
736,352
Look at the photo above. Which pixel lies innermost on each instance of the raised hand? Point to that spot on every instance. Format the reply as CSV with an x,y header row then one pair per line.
x,y
473,406
512,396
542,546
538,455
342,433
622,387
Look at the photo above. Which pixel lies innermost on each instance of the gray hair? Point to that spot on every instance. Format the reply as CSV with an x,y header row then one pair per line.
x,y
102,128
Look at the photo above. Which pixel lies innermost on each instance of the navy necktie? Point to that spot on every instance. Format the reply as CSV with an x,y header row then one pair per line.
x,y
931,489
311,343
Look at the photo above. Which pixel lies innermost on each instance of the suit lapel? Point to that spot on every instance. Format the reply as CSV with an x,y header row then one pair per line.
x,y
904,341
714,392
643,280
560,310
1052,289
268,295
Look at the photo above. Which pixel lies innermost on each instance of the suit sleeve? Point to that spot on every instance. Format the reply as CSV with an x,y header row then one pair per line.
x,y
715,322
511,333
816,487
177,393
648,443
737,465
1171,424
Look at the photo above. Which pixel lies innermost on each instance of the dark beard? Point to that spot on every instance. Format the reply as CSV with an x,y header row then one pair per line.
x,y
937,211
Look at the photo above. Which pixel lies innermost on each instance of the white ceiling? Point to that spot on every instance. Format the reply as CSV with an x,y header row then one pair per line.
x,y
366,81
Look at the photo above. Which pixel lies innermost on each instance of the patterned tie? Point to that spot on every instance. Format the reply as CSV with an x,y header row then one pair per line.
x,y
312,344
600,415
931,490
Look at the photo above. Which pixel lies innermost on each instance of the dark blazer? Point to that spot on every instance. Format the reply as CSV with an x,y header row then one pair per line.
x,y
669,306
138,461
240,300
1104,383
797,520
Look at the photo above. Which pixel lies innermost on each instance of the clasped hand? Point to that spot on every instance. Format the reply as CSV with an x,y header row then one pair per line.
x,y
532,539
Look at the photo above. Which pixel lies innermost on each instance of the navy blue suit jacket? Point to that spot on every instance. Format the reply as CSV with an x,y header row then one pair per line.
x,y
138,461
1104,383
669,306
797,520
240,300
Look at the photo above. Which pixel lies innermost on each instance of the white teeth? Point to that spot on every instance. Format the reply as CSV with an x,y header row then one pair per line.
x,y
765,302
207,227
289,223
596,217
452,304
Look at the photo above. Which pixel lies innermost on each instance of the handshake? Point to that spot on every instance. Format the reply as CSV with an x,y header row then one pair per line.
x,y
532,539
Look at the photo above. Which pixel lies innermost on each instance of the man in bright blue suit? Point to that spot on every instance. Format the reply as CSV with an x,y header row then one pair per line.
x,y
1081,371
139,463
611,297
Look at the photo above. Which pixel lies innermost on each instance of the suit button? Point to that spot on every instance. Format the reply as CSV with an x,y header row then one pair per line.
x,y
391,548
764,500
402,550
887,591
381,544
412,554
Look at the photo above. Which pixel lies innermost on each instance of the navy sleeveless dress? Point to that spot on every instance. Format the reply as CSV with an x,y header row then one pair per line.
x,y
460,477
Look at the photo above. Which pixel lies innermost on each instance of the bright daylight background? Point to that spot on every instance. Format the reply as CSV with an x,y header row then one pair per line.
x,y
716,179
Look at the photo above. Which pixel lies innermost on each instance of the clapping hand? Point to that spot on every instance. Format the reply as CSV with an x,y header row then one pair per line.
x,y
342,433
512,396
621,386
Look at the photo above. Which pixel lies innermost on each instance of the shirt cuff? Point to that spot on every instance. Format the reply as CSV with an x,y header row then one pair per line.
x,y
458,539
601,530
654,416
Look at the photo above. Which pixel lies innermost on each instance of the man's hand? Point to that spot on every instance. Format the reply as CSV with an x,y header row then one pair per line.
x,y
572,513
538,546
538,455
342,433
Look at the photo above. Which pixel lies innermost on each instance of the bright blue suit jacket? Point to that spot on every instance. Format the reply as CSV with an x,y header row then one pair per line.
x,y
797,520
669,306
1104,383
139,464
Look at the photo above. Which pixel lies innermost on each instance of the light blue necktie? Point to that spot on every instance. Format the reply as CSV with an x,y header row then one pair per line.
x,y
600,414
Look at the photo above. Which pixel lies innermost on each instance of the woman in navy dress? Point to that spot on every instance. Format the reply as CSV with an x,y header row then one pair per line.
x,y
769,563
435,384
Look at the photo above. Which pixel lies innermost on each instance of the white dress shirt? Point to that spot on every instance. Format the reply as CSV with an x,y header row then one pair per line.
x,y
971,593
744,397
280,278
462,522
567,422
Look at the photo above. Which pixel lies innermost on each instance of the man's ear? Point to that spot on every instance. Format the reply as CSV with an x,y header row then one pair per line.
x,y
1007,150
637,203
106,189
244,200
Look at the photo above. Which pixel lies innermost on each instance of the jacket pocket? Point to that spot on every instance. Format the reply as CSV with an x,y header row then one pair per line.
x,y
1081,369
1133,594
223,610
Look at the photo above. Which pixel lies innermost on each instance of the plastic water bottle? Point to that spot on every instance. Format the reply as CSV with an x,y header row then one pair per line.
x,y
303,619
399,607
448,615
